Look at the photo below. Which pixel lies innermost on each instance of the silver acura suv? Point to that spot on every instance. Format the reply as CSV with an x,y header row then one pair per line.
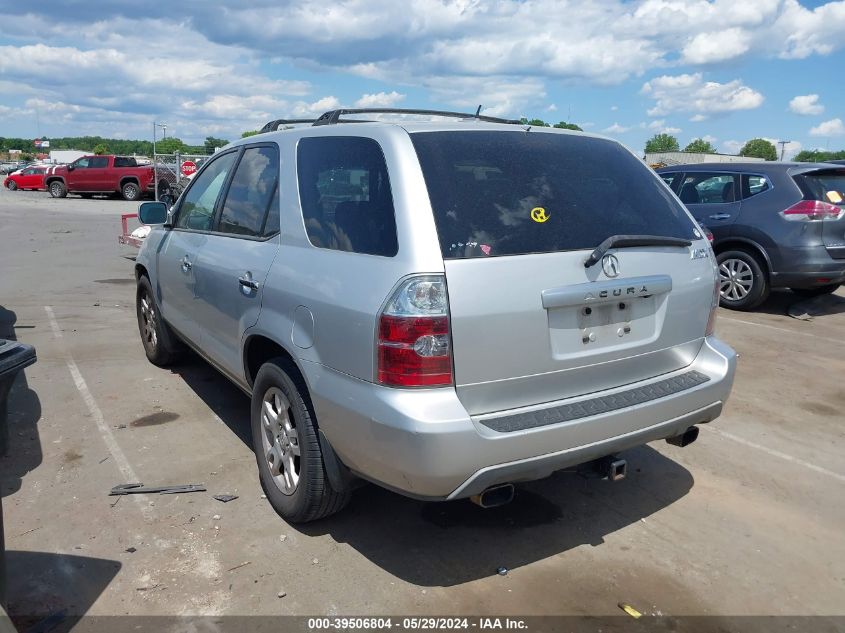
x,y
441,307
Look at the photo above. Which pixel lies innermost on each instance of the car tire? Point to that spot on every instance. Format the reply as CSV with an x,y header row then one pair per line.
x,y
57,189
744,283
815,292
130,191
161,345
283,424
12,185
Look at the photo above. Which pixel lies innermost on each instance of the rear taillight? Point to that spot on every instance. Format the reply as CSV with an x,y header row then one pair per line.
x,y
414,347
811,210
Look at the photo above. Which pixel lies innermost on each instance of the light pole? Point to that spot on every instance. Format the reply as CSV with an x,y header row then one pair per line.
x,y
163,126
783,145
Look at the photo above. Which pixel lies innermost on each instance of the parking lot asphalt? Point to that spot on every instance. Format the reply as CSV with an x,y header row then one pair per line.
x,y
747,520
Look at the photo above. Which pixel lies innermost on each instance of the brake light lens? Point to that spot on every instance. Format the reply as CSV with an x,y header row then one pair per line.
x,y
414,347
812,210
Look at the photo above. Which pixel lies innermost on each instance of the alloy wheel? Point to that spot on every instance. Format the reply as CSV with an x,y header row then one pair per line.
x,y
280,440
735,279
148,321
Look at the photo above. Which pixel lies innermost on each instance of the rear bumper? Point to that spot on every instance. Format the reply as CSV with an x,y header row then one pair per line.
x,y
422,443
803,267
823,276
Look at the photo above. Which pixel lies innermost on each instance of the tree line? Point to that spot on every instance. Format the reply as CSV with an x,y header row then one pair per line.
x,y
755,148
101,145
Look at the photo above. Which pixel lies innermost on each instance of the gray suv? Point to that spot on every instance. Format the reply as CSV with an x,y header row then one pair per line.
x,y
442,308
775,225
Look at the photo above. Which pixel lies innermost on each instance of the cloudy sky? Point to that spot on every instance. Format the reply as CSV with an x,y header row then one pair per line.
x,y
721,69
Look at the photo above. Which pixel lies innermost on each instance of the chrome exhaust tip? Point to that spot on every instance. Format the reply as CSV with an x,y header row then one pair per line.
x,y
494,496
684,439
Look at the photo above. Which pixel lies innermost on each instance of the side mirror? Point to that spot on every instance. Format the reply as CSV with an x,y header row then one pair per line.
x,y
153,213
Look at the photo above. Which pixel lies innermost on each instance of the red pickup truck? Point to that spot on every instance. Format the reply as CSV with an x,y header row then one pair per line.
x,y
101,174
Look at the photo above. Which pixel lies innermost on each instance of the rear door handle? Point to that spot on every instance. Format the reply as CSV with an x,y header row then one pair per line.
x,y
247,282
721,216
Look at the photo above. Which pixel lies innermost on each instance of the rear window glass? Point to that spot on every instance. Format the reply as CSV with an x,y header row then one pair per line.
x,y
513,193
345,195
828,185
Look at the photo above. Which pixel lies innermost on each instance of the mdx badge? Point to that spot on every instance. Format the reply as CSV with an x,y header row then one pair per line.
x,y
610,265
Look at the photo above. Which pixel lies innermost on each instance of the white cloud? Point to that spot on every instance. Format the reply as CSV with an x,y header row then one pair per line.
x,y
614,108
616,129
552,108
192,70
717,46
660,126
834,127
806,104
732,147
690,93
379,100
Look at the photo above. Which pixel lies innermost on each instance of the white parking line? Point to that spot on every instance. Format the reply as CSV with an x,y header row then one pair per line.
x,y
783,329
105,432
774,453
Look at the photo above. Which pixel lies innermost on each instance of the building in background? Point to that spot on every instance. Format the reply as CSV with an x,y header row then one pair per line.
x,y
667,159
65,156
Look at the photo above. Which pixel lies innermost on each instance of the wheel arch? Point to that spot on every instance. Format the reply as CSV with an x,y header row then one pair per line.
x,y
258,349
141,271
126,179
52,179
743,244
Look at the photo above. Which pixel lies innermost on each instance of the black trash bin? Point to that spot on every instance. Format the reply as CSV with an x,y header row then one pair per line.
x,y
14,357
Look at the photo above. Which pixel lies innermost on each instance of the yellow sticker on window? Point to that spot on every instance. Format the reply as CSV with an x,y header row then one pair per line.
x,y
538,214
834,196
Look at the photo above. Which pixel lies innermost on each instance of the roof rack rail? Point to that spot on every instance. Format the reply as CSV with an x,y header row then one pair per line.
x,y
332,117
272,126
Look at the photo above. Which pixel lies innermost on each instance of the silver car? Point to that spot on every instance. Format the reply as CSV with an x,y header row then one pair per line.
x,y
442,308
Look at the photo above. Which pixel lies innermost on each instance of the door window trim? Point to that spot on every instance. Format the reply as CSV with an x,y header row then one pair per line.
x,y
218,208
737,178
763,176
224,191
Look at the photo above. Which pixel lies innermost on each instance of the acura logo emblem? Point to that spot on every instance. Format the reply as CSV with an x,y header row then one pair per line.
x,y
610,265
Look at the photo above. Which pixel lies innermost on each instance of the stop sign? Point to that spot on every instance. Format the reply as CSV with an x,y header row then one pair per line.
x,y
188,167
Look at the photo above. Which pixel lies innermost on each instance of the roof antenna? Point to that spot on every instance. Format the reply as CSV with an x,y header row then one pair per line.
x,y
478,111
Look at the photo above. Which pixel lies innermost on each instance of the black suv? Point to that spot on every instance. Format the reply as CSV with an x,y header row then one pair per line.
x,y
775,225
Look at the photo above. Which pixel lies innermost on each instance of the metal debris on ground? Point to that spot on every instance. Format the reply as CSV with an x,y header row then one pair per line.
x,y
244,564
627,608
225,498
131,489
502,571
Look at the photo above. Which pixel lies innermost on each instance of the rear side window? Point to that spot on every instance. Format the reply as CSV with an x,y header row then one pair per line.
x,y
99,162
668,178
252,193
752,185
512,193
826,185
708,188
125,161
345,195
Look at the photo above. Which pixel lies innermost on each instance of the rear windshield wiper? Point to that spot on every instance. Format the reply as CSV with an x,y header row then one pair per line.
x,y
626,241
